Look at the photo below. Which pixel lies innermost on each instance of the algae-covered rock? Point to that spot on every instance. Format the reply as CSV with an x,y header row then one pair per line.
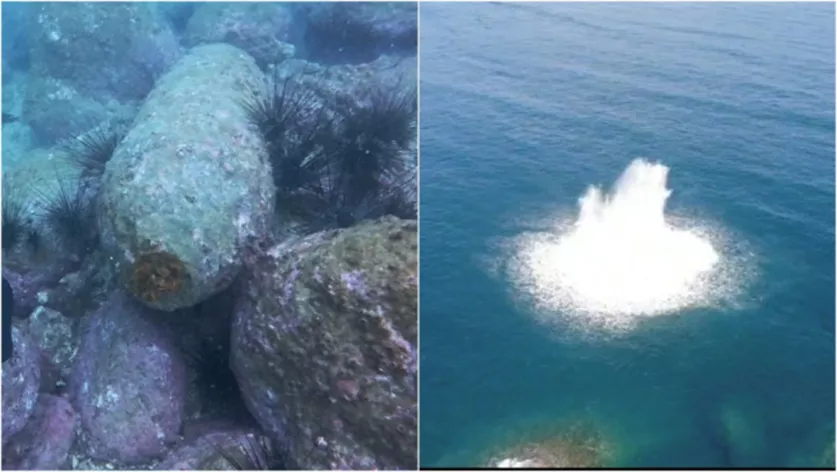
x,y
21,381
324,346
189,183
128,383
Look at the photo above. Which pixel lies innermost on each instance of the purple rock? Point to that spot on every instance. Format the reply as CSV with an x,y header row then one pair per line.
x,y
128,384
46,440
21,381
27,285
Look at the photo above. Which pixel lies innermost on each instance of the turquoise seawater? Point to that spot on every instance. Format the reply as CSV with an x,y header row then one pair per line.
x,y
523,106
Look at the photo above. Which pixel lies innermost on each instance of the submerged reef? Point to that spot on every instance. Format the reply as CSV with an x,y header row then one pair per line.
x,y
577,446
209,221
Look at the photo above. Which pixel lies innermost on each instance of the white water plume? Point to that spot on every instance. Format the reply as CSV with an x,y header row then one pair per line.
x,y
621,259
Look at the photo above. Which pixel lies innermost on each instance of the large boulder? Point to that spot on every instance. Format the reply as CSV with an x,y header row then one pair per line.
x,y
128,383
56,109
189,184
324,346
113,50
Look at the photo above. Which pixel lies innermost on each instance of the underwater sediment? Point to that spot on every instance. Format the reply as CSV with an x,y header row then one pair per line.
x,y
189,183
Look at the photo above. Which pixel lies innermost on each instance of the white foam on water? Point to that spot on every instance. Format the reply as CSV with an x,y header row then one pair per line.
x,y
621,260
515,463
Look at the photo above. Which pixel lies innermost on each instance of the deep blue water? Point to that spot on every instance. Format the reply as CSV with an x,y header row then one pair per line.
x,y
525,105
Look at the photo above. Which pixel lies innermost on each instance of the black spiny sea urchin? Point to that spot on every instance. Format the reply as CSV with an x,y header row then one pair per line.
x,y
337,163
363,167
91,151
15,224
370,140
248,453
71,219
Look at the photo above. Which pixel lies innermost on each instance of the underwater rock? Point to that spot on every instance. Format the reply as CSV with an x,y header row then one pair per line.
x,y
44,444
128,383
189,184
263,30
52,332
349,82
83,291
324,346
177,13
244,447
105,50
55,109
29,287
21,382
340,32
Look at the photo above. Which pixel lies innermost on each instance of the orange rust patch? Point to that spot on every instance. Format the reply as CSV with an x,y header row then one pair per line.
x,y
156,274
